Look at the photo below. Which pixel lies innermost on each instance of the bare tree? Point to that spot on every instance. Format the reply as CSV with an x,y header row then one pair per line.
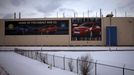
x,y
85,64
70,65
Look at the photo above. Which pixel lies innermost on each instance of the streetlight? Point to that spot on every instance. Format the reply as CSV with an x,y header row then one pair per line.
x,y
109,36
110,16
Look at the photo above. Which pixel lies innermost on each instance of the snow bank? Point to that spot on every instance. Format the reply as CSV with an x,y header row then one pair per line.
x,y
69,48
16,64
111,58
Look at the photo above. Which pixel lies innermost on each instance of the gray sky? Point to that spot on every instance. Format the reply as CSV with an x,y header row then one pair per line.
x,y
49,8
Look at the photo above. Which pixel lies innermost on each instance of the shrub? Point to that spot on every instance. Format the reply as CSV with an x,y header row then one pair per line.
x,y
70,65
85,64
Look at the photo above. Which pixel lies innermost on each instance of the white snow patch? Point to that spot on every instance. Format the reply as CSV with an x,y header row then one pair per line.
x,y
112,58
16,64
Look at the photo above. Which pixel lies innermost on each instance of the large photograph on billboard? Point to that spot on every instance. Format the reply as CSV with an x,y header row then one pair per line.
x,y
38,27
85,29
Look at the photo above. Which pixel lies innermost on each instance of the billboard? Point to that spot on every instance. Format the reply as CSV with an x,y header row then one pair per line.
x,y
85,29
37,27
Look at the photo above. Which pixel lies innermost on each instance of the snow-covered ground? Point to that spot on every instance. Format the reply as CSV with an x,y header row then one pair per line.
x,y
112,58
3,71
16,64
118,59
69,48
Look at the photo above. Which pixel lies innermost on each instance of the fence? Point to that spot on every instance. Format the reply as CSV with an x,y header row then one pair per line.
x,y
63,63
3,71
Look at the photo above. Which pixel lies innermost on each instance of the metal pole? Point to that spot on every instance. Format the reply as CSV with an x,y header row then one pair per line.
x,y
36,55
124,69
110,30
57,14
40,57
77,65
74,14
47,58
88,13
64,62
125,14
31,55
28,54
96,68
19,15
53,61
100,13
110,20
14,15
83,14
63,14
96,14
115,12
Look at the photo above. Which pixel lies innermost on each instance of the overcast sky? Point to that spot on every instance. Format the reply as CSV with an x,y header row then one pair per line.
x,y
49,8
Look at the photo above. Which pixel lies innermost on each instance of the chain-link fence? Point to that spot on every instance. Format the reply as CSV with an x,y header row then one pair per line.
x,y
73,65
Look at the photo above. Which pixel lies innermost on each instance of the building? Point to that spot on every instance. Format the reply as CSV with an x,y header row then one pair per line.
x,y
115,31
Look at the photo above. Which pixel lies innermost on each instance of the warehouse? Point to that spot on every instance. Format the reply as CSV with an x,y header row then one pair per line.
x,y
105,31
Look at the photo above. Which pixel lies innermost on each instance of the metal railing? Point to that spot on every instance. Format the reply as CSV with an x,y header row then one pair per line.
x,y
62,63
